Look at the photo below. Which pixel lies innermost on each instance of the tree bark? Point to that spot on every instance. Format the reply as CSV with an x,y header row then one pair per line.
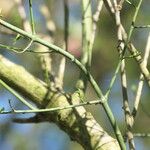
x,y
79,124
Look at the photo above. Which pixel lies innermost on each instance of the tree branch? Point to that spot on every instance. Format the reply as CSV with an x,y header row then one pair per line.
x,y
75,121
90,78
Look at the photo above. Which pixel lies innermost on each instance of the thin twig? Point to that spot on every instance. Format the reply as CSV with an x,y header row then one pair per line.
x,y
17,50
144,26
145,135
141,82
17,95
26,48
14,111
113,79
31,17
137,8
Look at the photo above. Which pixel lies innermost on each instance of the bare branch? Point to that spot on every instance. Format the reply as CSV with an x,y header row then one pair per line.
x,y
140,85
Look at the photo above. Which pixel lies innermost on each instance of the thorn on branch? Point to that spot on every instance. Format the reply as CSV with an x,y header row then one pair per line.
x,y
12,109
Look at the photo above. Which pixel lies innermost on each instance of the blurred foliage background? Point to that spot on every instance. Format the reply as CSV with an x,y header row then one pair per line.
x,y
104,60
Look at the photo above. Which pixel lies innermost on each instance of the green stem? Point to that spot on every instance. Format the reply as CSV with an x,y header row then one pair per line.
x,y
17,50
132,26
142,26
115,126
133,21
17,95
31,17
113,79
51,109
